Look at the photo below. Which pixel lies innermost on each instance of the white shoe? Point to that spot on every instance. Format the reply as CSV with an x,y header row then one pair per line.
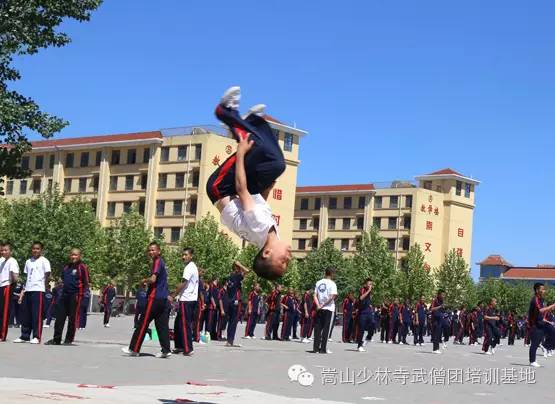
x,y
361,349
328,351
107,325
35,341
46,326
201,342
248,337
421,344
545,353
390,342
253,337
231,97
437,352
493,351
163,355
365,342
550,353
258,110
330,340
19,341
444,345
129,352
488,353
535,365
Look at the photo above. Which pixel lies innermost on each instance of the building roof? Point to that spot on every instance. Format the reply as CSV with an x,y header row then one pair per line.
x,y
446,171
272,119
530,273
75,141
335,188
496,260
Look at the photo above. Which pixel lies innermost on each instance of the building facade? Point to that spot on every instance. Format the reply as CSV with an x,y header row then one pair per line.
x,y
435,211
497,267
162,173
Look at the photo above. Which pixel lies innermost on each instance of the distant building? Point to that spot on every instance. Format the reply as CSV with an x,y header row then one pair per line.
x,y
495,266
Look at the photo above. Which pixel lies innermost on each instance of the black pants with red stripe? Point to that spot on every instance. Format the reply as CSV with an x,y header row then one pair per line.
x,y
184,326
67,308
32,315
5,299
264,163
157,310
107,313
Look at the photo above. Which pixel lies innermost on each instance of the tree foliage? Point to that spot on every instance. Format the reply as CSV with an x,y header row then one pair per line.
x,y
414,279
453,276
313,266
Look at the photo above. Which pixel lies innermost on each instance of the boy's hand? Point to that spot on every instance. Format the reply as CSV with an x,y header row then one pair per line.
x,y
244,146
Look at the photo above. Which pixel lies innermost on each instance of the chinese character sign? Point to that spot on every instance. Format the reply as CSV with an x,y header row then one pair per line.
x,y
276,218
460,232
427,247
429,225
278,194
459,252
228,149
216,160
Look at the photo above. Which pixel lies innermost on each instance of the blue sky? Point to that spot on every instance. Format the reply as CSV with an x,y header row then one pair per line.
x,y
388,90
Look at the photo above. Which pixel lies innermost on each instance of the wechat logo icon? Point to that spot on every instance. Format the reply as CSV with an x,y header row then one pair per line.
x,y
299,374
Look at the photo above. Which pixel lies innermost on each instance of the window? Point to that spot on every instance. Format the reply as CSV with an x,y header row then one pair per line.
x,y
193,206
180,180
314,242
393,202
111,209
377,222
67,185
141,207
276,133
317,203
82,185
302,244
347,202
162,181
9,187
129,183
391,244
126,207
69,160
165,154
344,244
39,162
316,223
131,156
467,190
302,224
51,161
23,187
360,223
392,223
160,208
428,185
378,202
115,157
333,203
407,222
346,224
84,159
98,158
146,155
361,202
288,142
406,243
181,153
175,234
459,188
408,201
36,186
158,232
198,151
94,202
331,223
304,204
144,179
196,175
95,181
113,183
25,162
177,208
50,184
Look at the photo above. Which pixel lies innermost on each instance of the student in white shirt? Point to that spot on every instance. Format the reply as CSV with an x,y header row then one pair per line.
x,y
9,271
37,269
186,294
325,293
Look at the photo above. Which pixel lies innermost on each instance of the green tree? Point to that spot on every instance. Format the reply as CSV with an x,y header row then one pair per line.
x,y
26,27
413,278
313,266
453,276
518,297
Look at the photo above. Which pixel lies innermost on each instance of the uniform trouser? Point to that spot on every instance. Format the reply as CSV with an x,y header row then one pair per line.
x,y
321,330
446,330
549,331
184,325
232,318
511,336
363,325
436,334
272,324
107,313
67,308
221,324
404,332
419,333
213,323
139,310
15,312
306,326
384,329
5,299
472,337
157,310
286,325
393,330
347,327
491,336
204,324
332,324
84,312
251,324
32,315
536,335
50,311
294,324
460,334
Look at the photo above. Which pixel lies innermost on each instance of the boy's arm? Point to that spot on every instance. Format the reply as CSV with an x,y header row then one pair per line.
x,y
241,177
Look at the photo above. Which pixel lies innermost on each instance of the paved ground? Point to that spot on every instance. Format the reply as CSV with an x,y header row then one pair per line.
x,y
95,371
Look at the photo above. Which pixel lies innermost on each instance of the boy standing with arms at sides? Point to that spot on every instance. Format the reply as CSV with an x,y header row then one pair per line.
x,y
108,297
536,315
9,271
306,316
156,308
253,311
234,300
437,310
75,278
325,293
37,269
364,305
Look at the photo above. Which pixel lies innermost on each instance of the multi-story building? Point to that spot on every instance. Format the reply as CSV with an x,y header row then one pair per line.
x,y
495,266
435,211
163,173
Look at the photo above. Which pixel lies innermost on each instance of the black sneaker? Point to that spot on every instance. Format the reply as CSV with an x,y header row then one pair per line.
x,y
52,342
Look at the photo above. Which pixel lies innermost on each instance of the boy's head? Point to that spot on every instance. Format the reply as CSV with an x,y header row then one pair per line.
x,y
272,260
36,249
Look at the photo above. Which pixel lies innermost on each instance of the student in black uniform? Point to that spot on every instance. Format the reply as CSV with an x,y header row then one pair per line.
x,y
437,310
491,332
253,311
234,295
108,298
536,314
364,305
140,304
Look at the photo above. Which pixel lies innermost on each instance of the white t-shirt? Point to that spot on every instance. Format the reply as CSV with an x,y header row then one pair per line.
x,y
190,274
36,270
253,225
7,266
323,290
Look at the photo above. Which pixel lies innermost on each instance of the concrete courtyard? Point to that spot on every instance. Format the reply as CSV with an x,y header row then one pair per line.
x,y
96,371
